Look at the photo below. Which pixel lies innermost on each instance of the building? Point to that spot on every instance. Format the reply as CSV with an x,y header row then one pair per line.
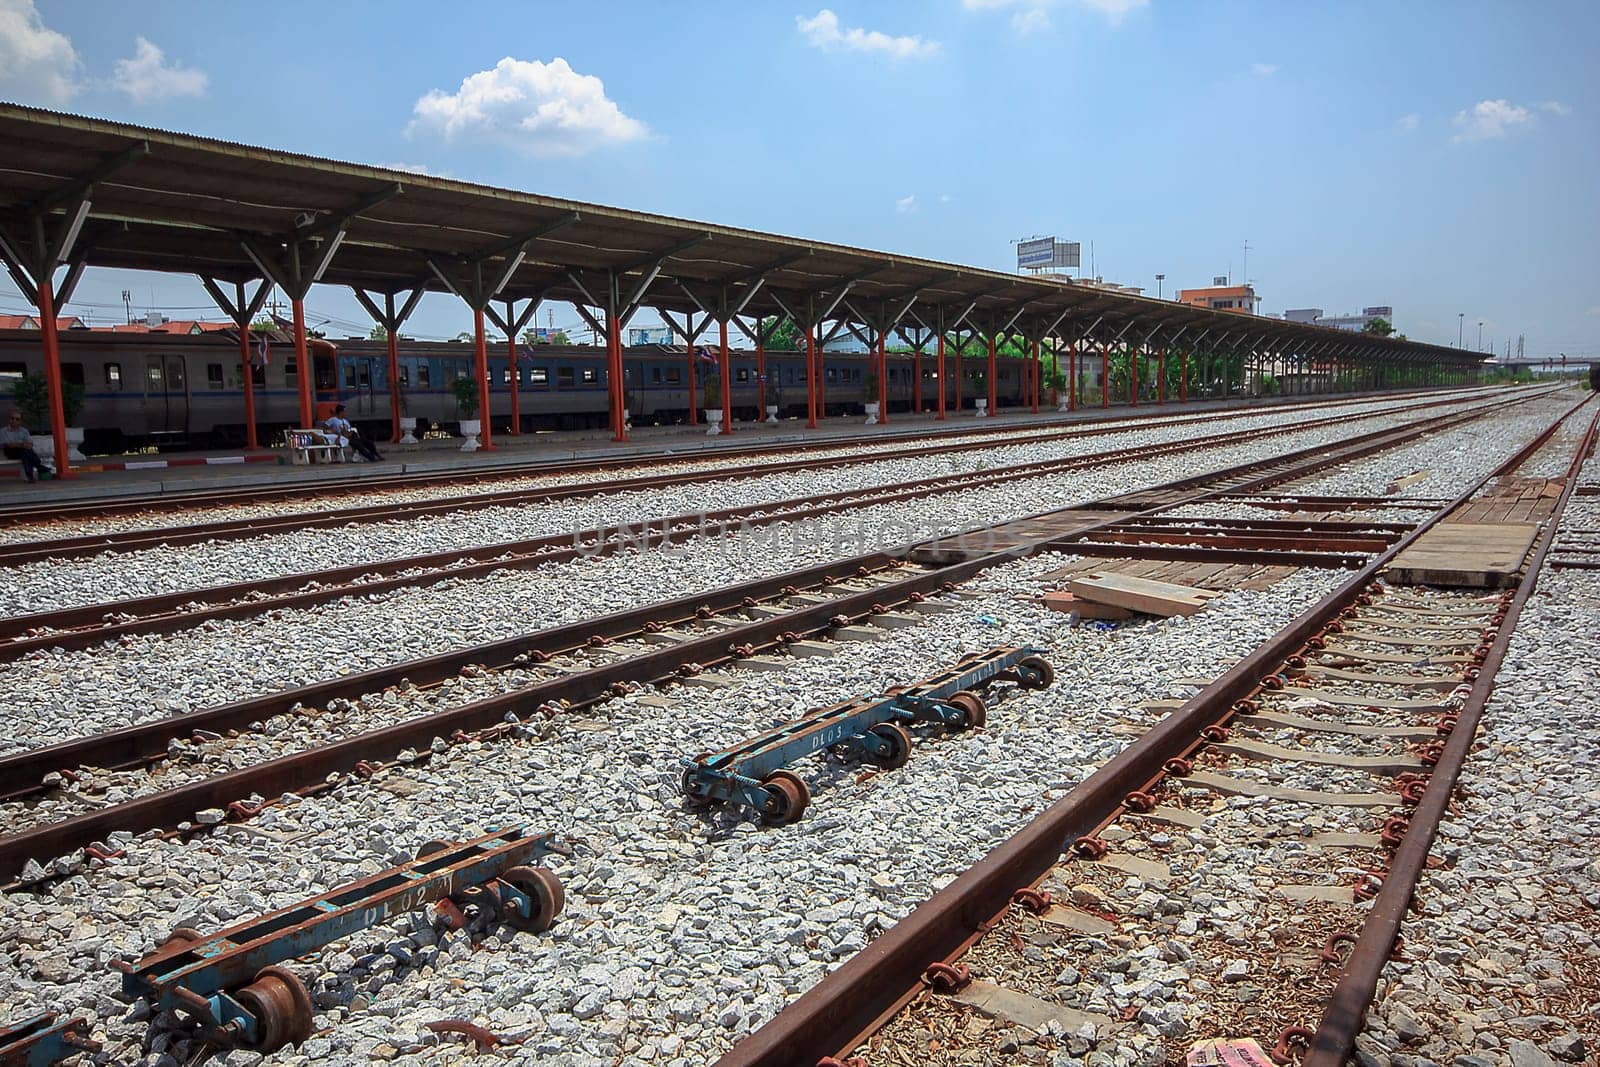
x,y
650,335
1358,323
1220,296
31,322
1305,315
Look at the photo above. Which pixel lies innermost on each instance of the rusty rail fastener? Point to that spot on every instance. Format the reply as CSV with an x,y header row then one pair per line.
x,y
1090,848
1031,900
481,1037
1293,1041
947,978
1330,954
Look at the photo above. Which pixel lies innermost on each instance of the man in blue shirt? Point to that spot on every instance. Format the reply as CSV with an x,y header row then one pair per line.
x,y
17,443
348,436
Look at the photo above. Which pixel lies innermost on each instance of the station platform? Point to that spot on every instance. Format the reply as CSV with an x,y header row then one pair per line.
x,y
178,472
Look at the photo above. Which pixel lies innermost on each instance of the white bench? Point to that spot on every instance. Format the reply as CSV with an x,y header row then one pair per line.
x,y
306,446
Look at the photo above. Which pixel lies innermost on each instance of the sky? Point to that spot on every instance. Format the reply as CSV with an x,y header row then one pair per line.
x,y
1437,157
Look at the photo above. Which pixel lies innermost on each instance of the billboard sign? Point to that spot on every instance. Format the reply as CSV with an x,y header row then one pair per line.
x,y
1036,254
1067,254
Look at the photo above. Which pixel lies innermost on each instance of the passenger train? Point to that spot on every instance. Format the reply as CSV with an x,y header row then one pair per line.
x,y
186,391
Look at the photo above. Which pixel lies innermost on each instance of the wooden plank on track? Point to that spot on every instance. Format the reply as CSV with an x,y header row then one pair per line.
x,y
1465,555
1140,594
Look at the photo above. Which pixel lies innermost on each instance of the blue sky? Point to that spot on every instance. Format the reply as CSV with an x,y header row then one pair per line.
x,y
1441,158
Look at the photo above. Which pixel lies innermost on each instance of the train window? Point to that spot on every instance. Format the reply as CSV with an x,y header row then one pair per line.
x,y
258,375
742,375
152,375
590,375
505,375
214,375
424,375
832,374
364,374
12,372
72,372
405,375
674,375
114,375
541,375
564,377
291,370
349,375
655,375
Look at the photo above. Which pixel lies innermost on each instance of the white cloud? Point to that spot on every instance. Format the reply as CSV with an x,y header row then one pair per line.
x,y
417,168
1489,119
36,62
1409,122
823,31
1263,70
147,77
1032,16
945,198
544,109
906,204
1555,107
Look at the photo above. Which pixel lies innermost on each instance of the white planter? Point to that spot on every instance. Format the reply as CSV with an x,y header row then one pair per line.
x,y
981,409
1061,403
44,446
872,414
713,421
470,428
408,434
74,439
772,414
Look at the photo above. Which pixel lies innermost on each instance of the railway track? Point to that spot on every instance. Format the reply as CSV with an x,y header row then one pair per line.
x,y
166,503
82,627
1376,689
731,626
241,528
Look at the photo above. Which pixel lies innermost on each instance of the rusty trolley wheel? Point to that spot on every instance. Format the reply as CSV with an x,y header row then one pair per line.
x,y
787,797
430,848
282,1008
544,888
974,712
182,937
1035,673
899,742
691,799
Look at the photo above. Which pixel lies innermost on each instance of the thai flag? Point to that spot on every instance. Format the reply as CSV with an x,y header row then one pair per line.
x,y
263,354
706,355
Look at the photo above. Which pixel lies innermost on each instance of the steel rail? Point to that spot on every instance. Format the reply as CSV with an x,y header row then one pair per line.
x,y
1347,1008
21,552
45,512
854,1000
311,768
22,772
86,625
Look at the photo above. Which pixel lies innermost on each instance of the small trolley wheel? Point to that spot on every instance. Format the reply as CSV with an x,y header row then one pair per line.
x,y
974,712
540,884
182,937
691,799
430,848
787,797
1036,673
281,1006
899,742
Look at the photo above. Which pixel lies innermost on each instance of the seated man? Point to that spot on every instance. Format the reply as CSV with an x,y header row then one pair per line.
x,y
344,432
17,443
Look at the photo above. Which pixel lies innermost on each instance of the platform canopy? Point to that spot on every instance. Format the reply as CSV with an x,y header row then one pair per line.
x,y
163,201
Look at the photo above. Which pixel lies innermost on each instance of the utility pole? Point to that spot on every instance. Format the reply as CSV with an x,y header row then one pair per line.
x,y
1159,279
1461,324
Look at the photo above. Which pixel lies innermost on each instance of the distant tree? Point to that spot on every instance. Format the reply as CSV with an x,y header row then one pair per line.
x,y
378,332
786,336
464,335
560,338
264,324
1378,325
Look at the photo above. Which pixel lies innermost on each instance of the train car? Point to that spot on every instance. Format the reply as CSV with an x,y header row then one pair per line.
x,y
183,390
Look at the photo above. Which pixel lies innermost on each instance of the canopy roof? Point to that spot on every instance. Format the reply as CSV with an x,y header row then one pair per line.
x,y
175,202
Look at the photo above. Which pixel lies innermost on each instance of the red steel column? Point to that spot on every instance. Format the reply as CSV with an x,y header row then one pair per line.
x,y
727,378
1134,356
811,379
394,388
516,383
1033,376
1072,377
302,360
883,378
960,373
822,382
250,441
52,373
916,381
480,353
619,395
1161,375
939,375
993,367
1055,368
1183,376
694,392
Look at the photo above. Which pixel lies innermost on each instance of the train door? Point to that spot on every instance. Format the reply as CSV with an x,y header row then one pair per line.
x,y
360,377
166,395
